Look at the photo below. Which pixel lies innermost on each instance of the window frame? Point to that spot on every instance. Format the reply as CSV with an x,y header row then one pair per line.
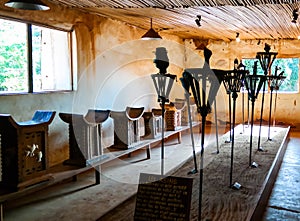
x,y
30,58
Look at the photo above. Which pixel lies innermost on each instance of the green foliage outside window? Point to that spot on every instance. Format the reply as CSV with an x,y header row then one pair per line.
x,y
290,66
13,56
47,51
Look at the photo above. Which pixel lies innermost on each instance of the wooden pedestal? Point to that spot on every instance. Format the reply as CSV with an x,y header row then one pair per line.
x,y
153,125
24,148
127,127
85,146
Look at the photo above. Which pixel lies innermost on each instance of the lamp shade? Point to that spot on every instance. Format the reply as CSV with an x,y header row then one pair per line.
x,y
254,83
266,59
36,5
151,34
205,84
163,84
185,82
275,80
233,79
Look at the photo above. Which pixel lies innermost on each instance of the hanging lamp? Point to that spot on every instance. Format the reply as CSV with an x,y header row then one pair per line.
x,y
151,34
35,5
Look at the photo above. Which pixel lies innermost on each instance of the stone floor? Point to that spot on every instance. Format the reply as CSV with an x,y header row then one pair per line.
x,y
67,200
284,202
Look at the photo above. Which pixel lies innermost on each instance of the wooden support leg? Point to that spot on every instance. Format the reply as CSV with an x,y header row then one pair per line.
x,y
148,151
1,212
97,174
74,178
179,137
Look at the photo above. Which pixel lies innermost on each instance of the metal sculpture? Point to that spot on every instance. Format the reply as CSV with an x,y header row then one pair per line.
x,y
163,83
241,66
232,82
207,57
253,85
273,83
266,60
229,105
217,131
204,83
186,85
276,88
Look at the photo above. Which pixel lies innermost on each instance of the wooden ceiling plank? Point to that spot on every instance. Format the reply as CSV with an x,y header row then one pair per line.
x,y
250,23
96,3
283,23
142,3
135,4
71,3
180,4
258,19
270,23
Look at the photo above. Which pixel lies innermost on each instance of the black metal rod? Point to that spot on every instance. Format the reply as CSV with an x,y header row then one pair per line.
x,y
243,110
203,112
234,96
201,165
251,132
248,111
229,104
216,122
261,116
192,135
230,117
162,136
275,109
270,114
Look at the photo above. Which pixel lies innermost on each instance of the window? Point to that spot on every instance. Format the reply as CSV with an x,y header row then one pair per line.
x,y
290,66
34,59
13,57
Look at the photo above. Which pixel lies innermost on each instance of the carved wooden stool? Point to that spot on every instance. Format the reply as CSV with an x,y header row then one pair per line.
x,y
184,112
153,124
127,127
24,148
85,146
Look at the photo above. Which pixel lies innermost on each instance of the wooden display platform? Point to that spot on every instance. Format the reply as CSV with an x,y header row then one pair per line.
x,y
62,172
266,190
219,201
249,202
114,152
